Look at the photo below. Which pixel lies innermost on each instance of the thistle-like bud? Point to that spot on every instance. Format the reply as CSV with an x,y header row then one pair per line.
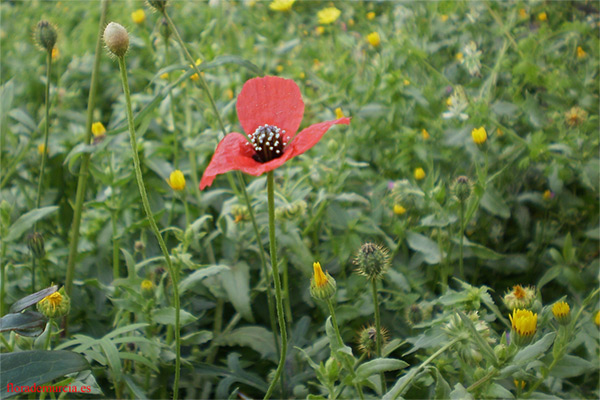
x,y
414,314
372,260
45,35
158,5
35,242
55,305
462,188
519,297
116,39
367,339
322,285
164,29
562,312
147,288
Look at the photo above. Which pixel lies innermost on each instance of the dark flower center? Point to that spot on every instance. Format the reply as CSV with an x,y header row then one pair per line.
x,y
269,142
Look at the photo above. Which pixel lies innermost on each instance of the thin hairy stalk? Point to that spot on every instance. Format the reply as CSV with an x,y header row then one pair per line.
x,y
277,282
85,158
146,205
349,366
379,338
461,234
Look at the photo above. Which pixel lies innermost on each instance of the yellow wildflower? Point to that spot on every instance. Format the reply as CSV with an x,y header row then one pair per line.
x,y
302,75
374,39
98,129
328,15
398,209
339,113
195,77
524,324
55,53
322,285
176,180
281,5
425,134
479,135
138,16
561,312
576,116
519,383
165,76
55,305
229,94
406,82
319,30
542,16
519,297
279,68
147,285
449,101
370,15
580,52
547,195
419,174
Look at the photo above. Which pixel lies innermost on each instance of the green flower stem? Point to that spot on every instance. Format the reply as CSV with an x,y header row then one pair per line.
x,y
349,366
85,158
379,339
2,278
153,226
461,235
115,246
49,335
277,282
395,392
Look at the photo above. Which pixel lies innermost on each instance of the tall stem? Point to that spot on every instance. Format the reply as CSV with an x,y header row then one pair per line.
x,y
461,239
379,339
85,158
277,282
153,226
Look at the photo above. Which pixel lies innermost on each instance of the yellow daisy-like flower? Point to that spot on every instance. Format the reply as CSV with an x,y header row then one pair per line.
x,y
339,113
281,5
576,116
195,77
328,15
176,180
54,300
138,16
542,16
519,297
424,134
147,285
41,149
370,15
98,129
374,39
479,135
55,305
561,312
580,52
419,174
398,209
55,53
524,324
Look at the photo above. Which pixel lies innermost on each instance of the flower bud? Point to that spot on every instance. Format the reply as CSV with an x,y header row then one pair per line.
x,y
147,288
24,342
158,5
164,29
372,260
45,35
333,369
519,297
139,246
35,242
55,305
562,312
414,314
462,188
176,181
322,285
116,39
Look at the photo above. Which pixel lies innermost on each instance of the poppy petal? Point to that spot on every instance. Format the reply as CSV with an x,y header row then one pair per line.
x,y
270,100
310,136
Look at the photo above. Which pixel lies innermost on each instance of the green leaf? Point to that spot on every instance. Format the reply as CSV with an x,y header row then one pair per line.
x,y
236,282
496,391
493,203
378,365
483,345
112,356
199,275
535,350
442,388
480,251
572,366
255,337
29,323
425,246
568,252
549,276
460,393
28,367
166,316
26,221
32,299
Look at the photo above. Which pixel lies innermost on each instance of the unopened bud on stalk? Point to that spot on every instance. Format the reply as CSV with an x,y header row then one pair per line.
x,y
116,39
35,242
45,35
55,305
372,260
158,5
322,285
164,29
462,188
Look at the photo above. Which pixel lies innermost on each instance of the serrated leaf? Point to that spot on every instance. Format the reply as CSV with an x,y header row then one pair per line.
x,y
26,221
28,367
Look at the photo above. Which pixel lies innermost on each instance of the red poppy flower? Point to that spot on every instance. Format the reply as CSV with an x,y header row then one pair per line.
x,y
270,110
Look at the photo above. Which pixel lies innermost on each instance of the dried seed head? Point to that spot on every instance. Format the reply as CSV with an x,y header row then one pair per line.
x,y
45,35
116,39
372,260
